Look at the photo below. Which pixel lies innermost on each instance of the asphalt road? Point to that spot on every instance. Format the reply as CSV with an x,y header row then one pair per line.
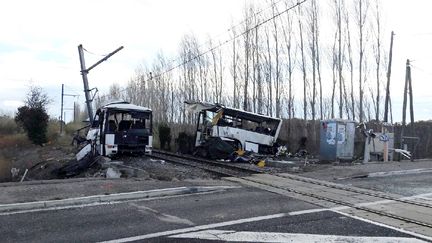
x,y
193,218
406,185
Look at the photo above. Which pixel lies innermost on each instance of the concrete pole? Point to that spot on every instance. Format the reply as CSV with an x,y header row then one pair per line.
x,y
84,73
61,111
387,98
74,112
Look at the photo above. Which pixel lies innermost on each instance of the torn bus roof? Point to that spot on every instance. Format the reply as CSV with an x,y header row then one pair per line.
x,y
126,106
196,107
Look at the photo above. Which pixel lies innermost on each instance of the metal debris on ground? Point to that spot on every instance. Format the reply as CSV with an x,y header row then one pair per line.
x,y
113,173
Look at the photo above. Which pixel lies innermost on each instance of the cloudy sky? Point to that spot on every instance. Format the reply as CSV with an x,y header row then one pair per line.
x,y
39,39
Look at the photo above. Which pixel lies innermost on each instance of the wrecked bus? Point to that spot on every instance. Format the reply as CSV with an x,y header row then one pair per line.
x,y
120,127
243,130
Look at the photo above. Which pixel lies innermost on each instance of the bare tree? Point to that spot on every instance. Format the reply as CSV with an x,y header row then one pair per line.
x,y
377,53
257,68
234,68
277,69
288,36
303,66
361,13
247,48
318,60
338,7
334,69
268,74
312,45
350,62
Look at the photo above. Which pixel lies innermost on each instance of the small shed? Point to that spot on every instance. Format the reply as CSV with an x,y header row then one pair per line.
x,y
337,140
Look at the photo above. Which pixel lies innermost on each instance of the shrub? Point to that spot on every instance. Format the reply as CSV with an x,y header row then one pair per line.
x,y
164,136
8,126
33,116
35,123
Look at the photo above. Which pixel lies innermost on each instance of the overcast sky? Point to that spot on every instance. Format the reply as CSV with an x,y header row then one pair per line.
x,y
39,39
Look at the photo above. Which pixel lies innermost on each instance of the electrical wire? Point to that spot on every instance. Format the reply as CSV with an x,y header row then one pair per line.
x,y
92,53
254,15
222,43
420,69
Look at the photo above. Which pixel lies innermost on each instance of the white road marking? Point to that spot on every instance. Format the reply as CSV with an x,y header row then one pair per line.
x,y
386,226
245,236
161,216
400,172
216,225
273,216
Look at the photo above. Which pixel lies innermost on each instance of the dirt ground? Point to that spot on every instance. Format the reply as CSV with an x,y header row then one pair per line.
x,y
153,169
34,158
43,161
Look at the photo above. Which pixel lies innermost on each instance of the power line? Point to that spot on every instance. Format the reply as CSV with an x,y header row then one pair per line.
x,y
254,15
229,40
92,53
223,43
421,70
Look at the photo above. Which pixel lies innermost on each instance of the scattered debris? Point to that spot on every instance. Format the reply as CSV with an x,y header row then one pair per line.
x,y
405,153
112,173
261,163
15,172
75,167
83,152
282,151
215,148
23,177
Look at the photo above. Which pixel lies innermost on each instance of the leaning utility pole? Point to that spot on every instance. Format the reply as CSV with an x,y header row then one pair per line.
x,y
407,90
387,98
84,73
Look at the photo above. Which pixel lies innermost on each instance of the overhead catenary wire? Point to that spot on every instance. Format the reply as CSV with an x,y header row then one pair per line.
x,y
230,29
222,43
92,53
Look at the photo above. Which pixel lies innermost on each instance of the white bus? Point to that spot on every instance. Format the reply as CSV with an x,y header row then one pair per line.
x,y
120,127
245,130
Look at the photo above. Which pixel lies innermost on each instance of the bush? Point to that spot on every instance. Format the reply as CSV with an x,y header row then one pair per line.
x,y
186,143
35,123
8,126
15,140
164,136
33,116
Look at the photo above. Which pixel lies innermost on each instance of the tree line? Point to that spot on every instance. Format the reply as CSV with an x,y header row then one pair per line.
x,y
311,60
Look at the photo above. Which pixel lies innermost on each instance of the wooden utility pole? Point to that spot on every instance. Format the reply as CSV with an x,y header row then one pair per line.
x,y
85,71
407,90
387,98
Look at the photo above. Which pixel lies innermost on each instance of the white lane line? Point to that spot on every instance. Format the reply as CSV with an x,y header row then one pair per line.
x,y
162,216
280,215
277,237
216,225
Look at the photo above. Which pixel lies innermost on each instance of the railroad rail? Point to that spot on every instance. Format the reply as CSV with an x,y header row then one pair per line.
x,y
246,174
220,168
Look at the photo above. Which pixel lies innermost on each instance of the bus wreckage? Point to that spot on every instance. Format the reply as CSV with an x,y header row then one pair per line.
x,y
220,127
120,127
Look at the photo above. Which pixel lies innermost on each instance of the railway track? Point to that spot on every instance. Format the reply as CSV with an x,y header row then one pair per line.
x,y
219,168
351,197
